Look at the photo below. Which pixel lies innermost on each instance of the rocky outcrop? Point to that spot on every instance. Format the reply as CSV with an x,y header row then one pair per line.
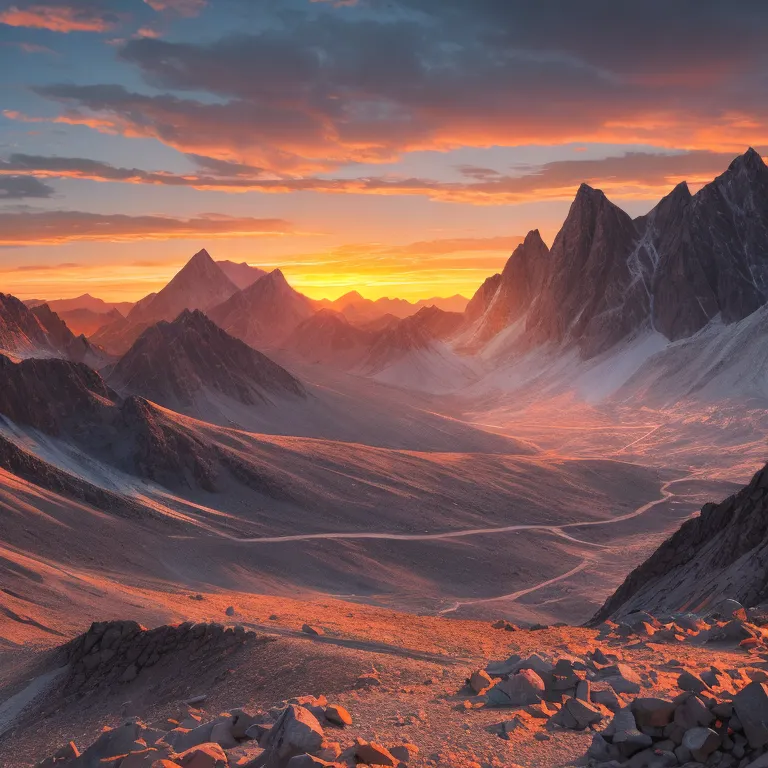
x,y
175,364
721,553
117,652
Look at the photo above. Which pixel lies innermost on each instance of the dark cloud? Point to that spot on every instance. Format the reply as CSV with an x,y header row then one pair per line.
x,y
20,187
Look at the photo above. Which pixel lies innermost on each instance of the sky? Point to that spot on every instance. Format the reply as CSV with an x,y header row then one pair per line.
x,y
396,147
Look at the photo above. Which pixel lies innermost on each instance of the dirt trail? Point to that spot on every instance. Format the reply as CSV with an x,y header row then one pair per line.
x,y
556,530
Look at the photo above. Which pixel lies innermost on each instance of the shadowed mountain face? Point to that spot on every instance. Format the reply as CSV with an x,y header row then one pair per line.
x,y
264,314
71,402
722,553
201,284
175,364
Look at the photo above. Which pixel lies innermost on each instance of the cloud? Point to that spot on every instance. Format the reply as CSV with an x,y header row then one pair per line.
x,y
635,174
48,267
180,7
318,89
20,187
84,16
56,227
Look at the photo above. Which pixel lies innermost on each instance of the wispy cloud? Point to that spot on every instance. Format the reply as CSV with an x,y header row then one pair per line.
x,y
56,227
634,174
60,17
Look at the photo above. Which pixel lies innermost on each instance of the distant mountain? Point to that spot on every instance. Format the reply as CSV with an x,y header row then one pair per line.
x,y
327,337
361,310
84,302
180,364
200,284
118,334
721,553
86,321
265,313
242,274
414,353
75,348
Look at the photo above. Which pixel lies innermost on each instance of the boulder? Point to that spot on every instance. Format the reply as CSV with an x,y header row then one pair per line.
x,y
374,754
295,732
750,705
203,756
652,711
701,742
525,687
338,715
690,682
308,629
480,681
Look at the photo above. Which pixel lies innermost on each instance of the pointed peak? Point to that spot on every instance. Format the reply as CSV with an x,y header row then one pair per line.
x,y
201,255
276,276
750,160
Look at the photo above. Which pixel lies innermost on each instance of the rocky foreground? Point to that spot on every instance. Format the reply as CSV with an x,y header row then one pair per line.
x,y
684,690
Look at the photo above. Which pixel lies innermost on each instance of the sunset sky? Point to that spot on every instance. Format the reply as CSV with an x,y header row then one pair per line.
x,y
397,147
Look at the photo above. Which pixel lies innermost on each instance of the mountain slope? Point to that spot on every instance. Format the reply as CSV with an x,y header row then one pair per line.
x,y
85,302
179,364
264,314
722,553
200,284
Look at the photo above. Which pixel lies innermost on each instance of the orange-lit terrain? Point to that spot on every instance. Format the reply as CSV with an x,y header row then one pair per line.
x,y
383,384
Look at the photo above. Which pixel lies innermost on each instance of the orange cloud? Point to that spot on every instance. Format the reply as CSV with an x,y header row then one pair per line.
x,y
59,18
57,227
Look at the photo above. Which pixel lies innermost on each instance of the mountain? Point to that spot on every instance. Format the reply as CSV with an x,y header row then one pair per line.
x,y
117,334
609,278
327,337
75,348
21,332
182,363
721,553
414,353
242,274
505,298
361,310
86,321
589,296
712,250
84,302
200,284
265,313
40,332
